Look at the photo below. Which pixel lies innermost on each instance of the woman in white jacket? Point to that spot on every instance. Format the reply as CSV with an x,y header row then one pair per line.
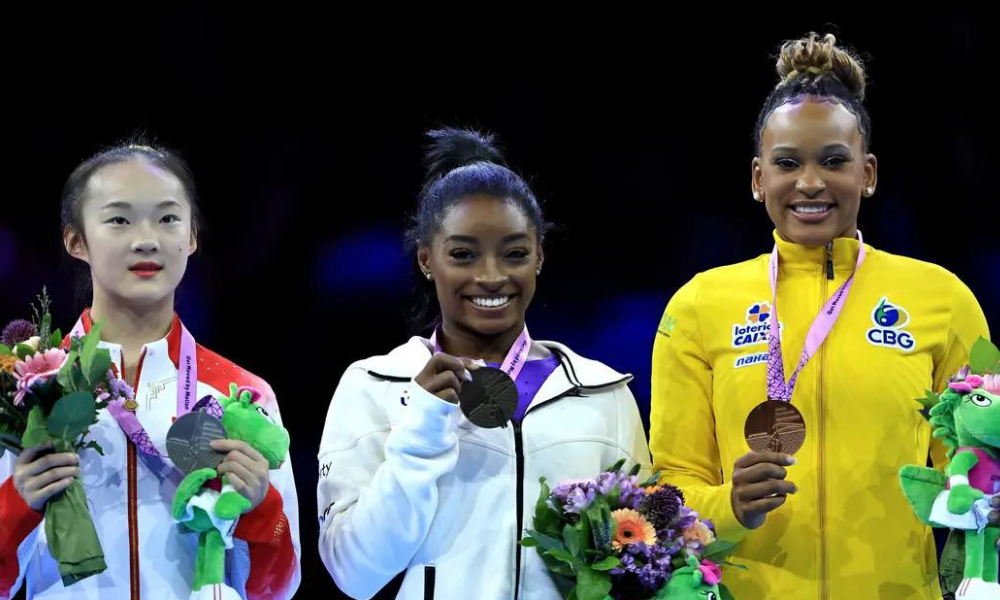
x,y
408,484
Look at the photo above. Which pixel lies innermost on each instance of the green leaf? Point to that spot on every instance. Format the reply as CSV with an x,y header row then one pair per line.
x,y
984,357
71,416
611,562
557,566
35,432
653,480
729,565
90,342
546,542
65,376
601,524
528,542
634,471
615,467
546,518
5,351
22,351
564,556
56,339
99,365
930,400
592,585
92,445
724,593
718,550
574,540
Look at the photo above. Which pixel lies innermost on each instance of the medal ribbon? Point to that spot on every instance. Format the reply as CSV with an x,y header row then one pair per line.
x,y
777,387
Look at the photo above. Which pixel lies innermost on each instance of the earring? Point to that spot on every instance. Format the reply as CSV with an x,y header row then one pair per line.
x,y
758,196
869,191
429,276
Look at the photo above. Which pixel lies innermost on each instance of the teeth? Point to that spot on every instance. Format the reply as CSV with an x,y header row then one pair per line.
x,y
811,210
490,302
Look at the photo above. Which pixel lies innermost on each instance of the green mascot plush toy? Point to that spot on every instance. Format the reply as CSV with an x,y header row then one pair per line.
x,y
967,417
696,581
213,514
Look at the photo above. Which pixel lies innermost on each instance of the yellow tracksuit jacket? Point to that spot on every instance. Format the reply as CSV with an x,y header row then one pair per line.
x,y
848,534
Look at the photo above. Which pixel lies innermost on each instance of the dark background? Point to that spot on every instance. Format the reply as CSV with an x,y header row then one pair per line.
x,y
304,131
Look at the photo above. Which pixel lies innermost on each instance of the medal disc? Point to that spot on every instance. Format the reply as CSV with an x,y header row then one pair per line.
x,y
188,442
490,399
775,426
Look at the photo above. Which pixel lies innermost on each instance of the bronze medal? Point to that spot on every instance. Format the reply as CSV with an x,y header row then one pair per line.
x,y
775,426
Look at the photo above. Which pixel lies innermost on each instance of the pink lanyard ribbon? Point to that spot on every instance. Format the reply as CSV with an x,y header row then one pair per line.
x,y
516,356
777,387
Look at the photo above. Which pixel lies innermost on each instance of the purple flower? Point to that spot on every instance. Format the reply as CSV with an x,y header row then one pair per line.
x,y
17,332
119,388
630,492
607,482
574,496
687,518
662,506
648,565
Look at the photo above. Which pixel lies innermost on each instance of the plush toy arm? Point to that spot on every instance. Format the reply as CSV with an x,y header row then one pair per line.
x,y
962,495
921,486
188,489
231,504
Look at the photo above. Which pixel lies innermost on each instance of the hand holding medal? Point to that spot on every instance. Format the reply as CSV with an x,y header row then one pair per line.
x,y
488,396
443,376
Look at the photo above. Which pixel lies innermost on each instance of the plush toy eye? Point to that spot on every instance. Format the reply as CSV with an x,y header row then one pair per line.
x,y
263,412
711,596
980,400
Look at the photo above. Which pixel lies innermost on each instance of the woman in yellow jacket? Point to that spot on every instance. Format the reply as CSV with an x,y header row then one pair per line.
x,y
863,333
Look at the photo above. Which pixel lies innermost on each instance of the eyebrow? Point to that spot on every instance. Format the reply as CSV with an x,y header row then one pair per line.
x,y
468,239
121,204
828,148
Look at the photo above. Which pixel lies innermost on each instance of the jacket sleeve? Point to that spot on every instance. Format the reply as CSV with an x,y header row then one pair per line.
x,y
682,423
967,324
18,531
378,481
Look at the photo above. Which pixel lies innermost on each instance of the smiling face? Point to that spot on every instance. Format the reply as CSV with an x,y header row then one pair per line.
x,y
135,232
484,259
813,171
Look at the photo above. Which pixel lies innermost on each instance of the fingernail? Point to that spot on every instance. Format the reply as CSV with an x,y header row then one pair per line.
x,y
467,375
791,460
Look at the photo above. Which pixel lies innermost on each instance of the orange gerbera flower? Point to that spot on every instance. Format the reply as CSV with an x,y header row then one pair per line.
x,y
632,527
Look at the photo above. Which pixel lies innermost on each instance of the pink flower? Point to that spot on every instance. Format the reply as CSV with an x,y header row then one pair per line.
x,y
710,572
991,383
35,370
974,380
961,387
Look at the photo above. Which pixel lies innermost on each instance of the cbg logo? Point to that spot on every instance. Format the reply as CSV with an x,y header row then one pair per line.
x,y
890,321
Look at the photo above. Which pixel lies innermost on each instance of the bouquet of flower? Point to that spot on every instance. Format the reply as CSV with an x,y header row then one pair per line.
x,y
613,537
53,392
